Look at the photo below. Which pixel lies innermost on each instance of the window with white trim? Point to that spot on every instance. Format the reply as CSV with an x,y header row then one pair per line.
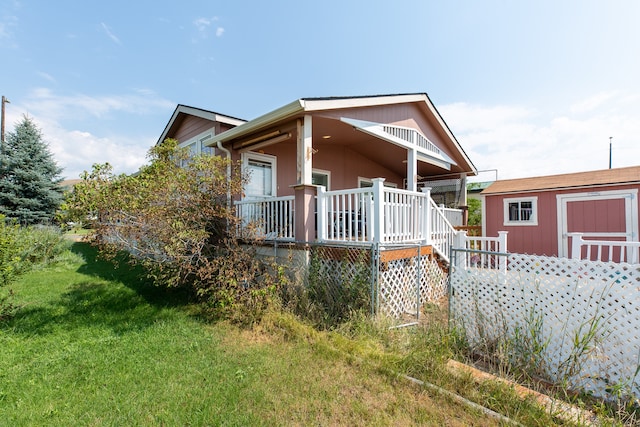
x,y
321,177
261,169
521,211
197,146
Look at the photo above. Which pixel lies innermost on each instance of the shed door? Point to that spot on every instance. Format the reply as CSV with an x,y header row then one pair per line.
x,y
607,215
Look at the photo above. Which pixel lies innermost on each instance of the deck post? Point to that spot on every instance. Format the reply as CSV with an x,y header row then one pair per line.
x,y
427,219
304,218
502,247
378,210
460,242
576,245
321,213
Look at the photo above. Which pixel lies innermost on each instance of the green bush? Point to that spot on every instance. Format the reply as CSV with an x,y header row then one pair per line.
x,y
39,245
9,251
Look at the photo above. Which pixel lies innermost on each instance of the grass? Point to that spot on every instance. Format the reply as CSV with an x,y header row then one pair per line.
x,y
94,345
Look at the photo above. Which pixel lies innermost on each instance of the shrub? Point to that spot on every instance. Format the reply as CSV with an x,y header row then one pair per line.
x,y
176,220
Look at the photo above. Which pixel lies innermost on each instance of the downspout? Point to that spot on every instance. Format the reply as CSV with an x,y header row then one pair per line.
x,y
228,154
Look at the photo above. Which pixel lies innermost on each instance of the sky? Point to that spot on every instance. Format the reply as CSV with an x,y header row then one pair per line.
x,y
528,88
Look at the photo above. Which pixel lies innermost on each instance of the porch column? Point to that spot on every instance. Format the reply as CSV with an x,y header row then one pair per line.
x,y
412,169
305,221
304,152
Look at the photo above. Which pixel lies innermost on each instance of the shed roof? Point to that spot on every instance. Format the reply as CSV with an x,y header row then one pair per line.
x,y
570,180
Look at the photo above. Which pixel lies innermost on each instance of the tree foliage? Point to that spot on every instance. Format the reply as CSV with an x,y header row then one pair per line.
x,y
29,176
475,212
177,222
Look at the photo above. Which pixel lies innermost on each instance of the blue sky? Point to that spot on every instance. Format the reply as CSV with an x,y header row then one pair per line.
x,y
528,88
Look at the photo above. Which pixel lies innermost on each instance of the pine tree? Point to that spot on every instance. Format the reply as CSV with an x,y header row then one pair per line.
x,y
29,176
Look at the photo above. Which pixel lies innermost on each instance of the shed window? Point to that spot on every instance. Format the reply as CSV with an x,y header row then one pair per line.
x,y
521,211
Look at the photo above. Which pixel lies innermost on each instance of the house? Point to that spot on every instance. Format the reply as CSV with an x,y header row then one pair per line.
x,y
339,180
540,213
337,169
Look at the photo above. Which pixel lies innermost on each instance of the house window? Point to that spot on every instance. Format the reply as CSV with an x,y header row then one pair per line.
x,y
261,169
368,182
209,151
321,177
196,146
521,211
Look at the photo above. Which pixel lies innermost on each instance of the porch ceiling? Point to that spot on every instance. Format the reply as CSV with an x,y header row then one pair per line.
x,y
382,152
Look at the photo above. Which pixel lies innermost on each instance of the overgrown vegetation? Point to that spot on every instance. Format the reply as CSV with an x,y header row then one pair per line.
x,y
175,218
22,249
94,345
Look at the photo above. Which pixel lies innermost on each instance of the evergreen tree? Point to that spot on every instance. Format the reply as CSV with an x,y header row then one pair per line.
x,y
29,176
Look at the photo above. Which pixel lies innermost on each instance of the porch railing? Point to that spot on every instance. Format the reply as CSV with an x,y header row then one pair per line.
x,y
375,214
604,250
272,218
345,215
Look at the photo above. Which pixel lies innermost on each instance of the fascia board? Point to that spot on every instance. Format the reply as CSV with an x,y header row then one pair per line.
x,y
452,138
357,102
281,113
197,112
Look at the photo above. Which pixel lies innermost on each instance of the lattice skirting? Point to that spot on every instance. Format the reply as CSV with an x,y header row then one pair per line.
x,y
579,319
406,284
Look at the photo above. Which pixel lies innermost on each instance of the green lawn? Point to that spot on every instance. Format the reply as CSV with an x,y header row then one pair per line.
x,y
94,345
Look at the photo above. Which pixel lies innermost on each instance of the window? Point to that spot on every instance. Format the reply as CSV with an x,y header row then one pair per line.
x,y
196,146
522,211
368,182
210,151
321,177
261,169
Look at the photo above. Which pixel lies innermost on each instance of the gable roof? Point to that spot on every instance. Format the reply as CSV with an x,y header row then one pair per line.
x,y
626,175
310,105
182,111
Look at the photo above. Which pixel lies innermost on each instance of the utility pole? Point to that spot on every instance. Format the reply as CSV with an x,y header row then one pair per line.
x,y
610,149
4,101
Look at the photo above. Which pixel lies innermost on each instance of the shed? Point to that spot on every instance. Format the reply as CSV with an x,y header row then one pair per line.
x,y
539,212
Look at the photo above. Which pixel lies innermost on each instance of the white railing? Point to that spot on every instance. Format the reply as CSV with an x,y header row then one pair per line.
x,y
442,232
482,252
271,218
375,214
604,250
345,215
454,216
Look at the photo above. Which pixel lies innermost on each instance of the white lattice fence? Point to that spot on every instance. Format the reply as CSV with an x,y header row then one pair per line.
x,y
406,284
583,316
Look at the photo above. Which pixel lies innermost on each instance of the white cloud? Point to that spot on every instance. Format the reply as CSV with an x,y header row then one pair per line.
x,y
521,142
47,76
109,33
203,26
123,119
45,102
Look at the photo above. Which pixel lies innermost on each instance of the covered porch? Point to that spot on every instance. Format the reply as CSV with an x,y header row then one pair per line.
x,y
376,214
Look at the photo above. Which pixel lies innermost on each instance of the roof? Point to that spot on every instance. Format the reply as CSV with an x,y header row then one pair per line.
x,y
476,187
307,105
626,175
182,110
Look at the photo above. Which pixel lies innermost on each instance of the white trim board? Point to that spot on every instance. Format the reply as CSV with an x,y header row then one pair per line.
x,y
631,213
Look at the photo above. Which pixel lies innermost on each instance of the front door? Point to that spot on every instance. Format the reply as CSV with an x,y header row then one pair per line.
x,y
606,215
